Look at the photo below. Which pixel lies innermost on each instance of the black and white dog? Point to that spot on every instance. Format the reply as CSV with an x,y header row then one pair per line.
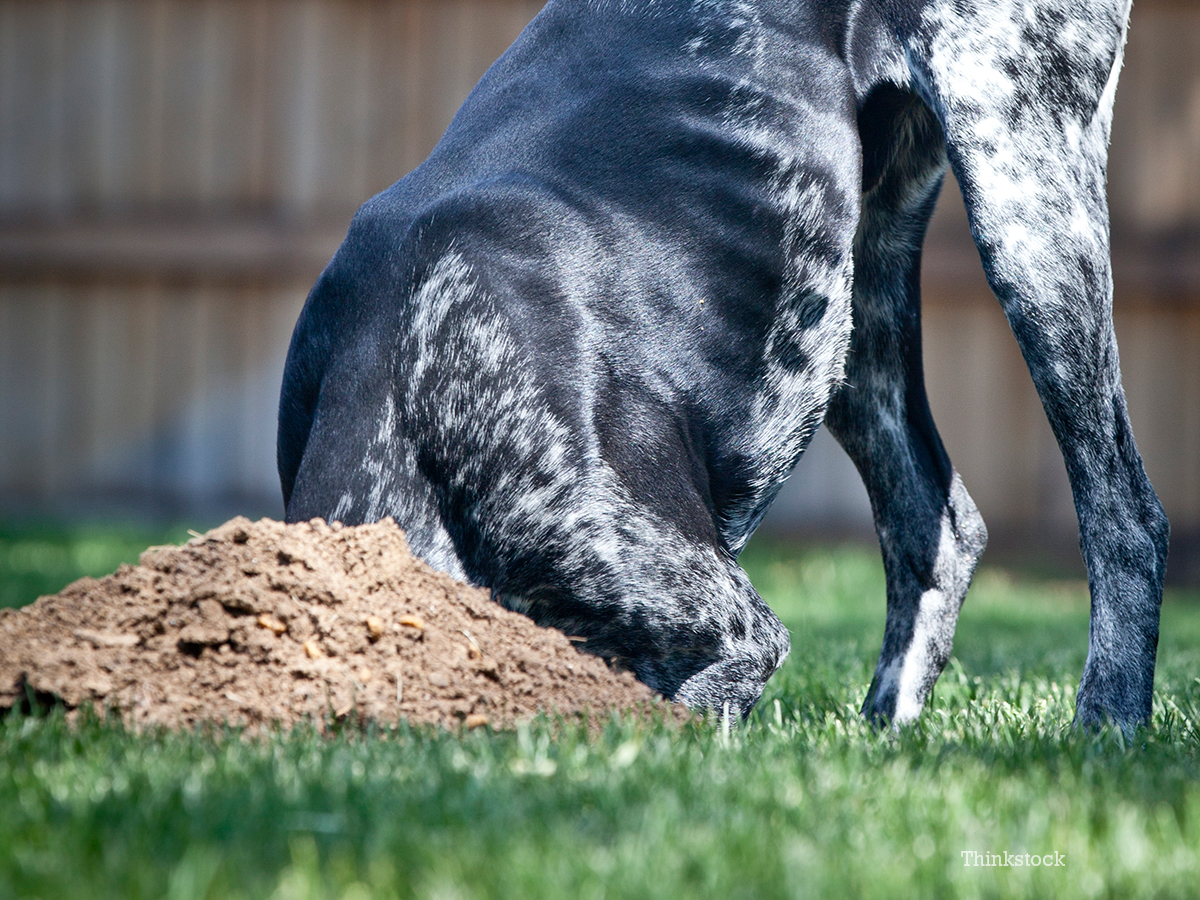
x,y
578,350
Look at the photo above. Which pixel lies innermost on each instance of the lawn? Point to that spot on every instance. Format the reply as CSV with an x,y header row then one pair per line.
x,y
802,800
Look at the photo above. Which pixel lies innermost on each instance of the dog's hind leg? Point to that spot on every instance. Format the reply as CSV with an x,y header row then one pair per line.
x,y
930,532
1025,100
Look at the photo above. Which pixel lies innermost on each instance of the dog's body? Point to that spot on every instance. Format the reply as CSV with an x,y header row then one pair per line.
x,y
577,351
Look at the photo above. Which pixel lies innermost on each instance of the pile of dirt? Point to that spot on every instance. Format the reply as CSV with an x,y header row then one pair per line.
x,y
257,623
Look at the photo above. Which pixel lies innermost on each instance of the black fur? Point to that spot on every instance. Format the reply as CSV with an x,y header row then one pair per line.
x,y
577,351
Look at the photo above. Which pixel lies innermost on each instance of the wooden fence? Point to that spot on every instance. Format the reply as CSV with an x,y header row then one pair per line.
x,y
174,174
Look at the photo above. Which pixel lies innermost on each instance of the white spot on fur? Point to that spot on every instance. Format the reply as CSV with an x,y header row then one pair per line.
x,y
916,664
913,672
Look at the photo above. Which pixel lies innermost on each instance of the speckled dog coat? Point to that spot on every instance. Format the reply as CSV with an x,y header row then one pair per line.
x,y
576,352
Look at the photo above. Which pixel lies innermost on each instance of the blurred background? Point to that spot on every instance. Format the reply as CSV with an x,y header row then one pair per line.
x,y
175,173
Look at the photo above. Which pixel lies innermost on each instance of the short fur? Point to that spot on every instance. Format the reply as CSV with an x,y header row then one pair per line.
x,y
577,351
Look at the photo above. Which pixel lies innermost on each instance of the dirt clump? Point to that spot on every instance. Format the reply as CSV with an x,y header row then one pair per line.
x,y
257,623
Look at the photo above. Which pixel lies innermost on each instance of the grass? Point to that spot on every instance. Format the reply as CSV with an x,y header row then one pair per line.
x,y
42,559
803,800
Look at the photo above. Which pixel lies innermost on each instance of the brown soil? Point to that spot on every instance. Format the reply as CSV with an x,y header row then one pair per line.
x,y
257,623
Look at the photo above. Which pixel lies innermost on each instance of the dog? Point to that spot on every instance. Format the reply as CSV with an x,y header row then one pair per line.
x,y
576,352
